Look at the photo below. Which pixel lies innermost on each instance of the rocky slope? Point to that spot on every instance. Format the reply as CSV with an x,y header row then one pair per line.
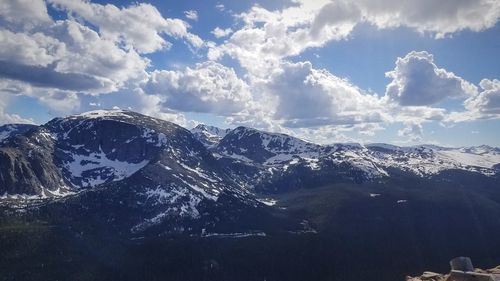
x,y
159,167
169,174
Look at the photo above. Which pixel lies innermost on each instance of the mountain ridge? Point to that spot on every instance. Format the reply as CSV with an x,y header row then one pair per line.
x,y
85,150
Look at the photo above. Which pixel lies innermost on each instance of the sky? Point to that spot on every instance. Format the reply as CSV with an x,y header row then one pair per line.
x,y
400,72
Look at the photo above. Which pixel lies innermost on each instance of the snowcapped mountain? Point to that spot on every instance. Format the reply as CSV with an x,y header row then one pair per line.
x,y
120,186
78,152
169,175
274,150
254,146
209,135
158,165
273,160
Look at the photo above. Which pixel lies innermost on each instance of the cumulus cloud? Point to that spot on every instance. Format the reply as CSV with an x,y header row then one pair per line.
x,y
50,78
308,97
335,20
139,26
440,18
412,131
96,50
417,81
487,102
296,95
484,105
275,35
415,114
69,64
9,118
191,14
219,32
23,13
66,55
208,87
59,102
35,49
268,37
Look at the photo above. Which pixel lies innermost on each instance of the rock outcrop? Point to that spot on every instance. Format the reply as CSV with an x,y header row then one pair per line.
x,y
461,270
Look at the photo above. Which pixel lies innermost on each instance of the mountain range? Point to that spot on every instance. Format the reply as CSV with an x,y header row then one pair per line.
x,y
129,177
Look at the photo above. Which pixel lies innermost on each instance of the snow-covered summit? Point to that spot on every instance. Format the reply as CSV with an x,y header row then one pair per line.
x,y
104,146
212,130
264,147
281,152
103,113
209,135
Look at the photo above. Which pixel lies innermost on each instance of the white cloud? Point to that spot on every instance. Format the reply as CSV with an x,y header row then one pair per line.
x,y
483,105
9,118
295,95
418,81
139,25
487,102
267,36
68,64
335,20
415,114
23,13
219,32
220,7
59,102
68,56
191,14
30,49
440,18
57,62
412,131
324,135
208,87
308,97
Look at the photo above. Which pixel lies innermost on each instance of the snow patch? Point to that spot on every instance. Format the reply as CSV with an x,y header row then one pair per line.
x,y
103,113
267,201
233,235
114,170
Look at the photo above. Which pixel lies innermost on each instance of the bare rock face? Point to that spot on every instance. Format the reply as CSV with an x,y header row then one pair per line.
x,y
29,167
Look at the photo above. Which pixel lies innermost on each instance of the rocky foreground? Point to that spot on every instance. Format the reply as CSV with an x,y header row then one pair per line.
x,y
488,274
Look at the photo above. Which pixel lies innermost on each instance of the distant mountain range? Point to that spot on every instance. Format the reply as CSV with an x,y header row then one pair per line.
x,y
68,155
127,175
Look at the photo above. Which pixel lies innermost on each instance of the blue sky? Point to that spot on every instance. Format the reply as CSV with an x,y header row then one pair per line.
x,y
401,72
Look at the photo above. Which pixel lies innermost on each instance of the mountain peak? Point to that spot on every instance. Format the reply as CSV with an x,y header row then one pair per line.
x,y
9,130
104,113
209,135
